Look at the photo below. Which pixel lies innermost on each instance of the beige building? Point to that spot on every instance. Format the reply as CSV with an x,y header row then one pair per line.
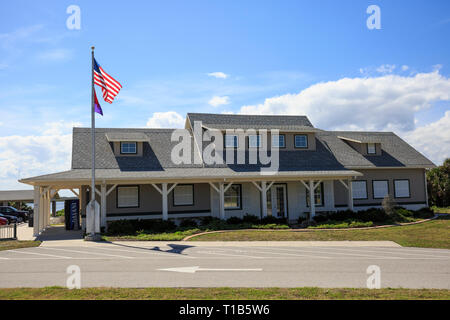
x,y
139,174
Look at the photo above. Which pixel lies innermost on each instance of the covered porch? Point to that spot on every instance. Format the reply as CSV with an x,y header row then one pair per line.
x,y
259,194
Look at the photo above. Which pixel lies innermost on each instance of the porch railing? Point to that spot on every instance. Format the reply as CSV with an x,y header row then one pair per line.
x,y
8,231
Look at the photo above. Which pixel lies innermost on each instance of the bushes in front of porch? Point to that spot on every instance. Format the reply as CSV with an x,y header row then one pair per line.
x,y
366,218
152,229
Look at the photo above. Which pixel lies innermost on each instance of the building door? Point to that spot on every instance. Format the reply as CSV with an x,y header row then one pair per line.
x,y
276,201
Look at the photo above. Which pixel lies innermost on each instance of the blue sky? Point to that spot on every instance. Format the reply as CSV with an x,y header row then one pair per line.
x,y
283,57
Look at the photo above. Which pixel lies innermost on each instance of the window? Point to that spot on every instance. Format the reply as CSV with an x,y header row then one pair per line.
x,y
359,189
278,141
231,141
127,197
254,141
128,148
183,195
401,188
371,148
233,197
301,141
380,189
318,196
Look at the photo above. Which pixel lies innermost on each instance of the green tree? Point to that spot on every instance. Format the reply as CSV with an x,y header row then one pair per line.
x,y
438,181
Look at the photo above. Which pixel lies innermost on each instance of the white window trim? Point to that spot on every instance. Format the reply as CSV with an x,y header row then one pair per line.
x,y
295,141
239,198
396,189
354,189
369,149
234,145
128,204
126,152
278,141
186,203
258,141
373,187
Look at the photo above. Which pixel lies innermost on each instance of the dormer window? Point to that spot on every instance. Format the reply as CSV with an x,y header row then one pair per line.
x,y
231,141
301,141
254,141
128,148
371,148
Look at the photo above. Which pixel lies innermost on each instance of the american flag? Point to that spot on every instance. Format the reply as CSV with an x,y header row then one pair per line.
x,y
110,86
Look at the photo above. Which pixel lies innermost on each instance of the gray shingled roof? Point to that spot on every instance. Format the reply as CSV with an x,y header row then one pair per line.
x,y
332,156
240,121
395,152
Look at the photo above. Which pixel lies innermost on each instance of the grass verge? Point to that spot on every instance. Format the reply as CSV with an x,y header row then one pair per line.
x,y
16,244
307,293
431,234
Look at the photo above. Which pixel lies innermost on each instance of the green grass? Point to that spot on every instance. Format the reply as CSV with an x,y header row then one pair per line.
x,y
441,210
181,234
342,225
16,244
431,234
58,293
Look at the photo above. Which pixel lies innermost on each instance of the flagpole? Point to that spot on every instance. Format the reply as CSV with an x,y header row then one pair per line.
x,y
92,203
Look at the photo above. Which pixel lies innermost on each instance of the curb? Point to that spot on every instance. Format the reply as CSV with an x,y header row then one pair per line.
x,y
313,230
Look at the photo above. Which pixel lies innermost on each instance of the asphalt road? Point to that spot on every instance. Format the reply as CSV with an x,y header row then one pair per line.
x,y
172,265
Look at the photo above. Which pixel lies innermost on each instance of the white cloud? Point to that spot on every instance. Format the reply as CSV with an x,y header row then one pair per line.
x,y
169,119
55,55
405,68
219,75
386,68
432,139
384,103
218,101
26,156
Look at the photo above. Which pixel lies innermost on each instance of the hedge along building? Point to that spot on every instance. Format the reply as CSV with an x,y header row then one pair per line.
x,y
317,170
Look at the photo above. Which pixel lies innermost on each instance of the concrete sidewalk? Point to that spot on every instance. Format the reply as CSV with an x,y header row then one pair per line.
x,y
82,243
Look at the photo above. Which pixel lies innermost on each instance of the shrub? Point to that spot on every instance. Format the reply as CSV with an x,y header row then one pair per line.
x,y
388,205
130,227
404,212
207,220
272,219
424,213
188,223
250,218
301,219
234,220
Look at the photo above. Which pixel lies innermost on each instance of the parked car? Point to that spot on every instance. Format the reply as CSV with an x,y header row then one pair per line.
x,y
3,221
11,211
11,219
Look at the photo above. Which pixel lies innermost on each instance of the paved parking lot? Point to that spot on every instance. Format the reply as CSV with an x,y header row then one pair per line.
x,y
199,265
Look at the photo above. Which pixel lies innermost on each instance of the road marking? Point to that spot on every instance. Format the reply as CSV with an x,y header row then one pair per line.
x,y
196,269
336,253
292,254
229,254
399,253
151,252
41,254
87,252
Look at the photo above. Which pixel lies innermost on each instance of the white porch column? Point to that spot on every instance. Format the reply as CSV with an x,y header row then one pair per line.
x,y
41,211
49,206
103,205
350,194
263,199
312,204
37,197
222,200
165,211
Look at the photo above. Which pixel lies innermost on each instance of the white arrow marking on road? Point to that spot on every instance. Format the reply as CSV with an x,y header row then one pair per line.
x,y
195,269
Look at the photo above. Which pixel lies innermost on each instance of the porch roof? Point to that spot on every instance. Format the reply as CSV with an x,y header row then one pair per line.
x,y
83,176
